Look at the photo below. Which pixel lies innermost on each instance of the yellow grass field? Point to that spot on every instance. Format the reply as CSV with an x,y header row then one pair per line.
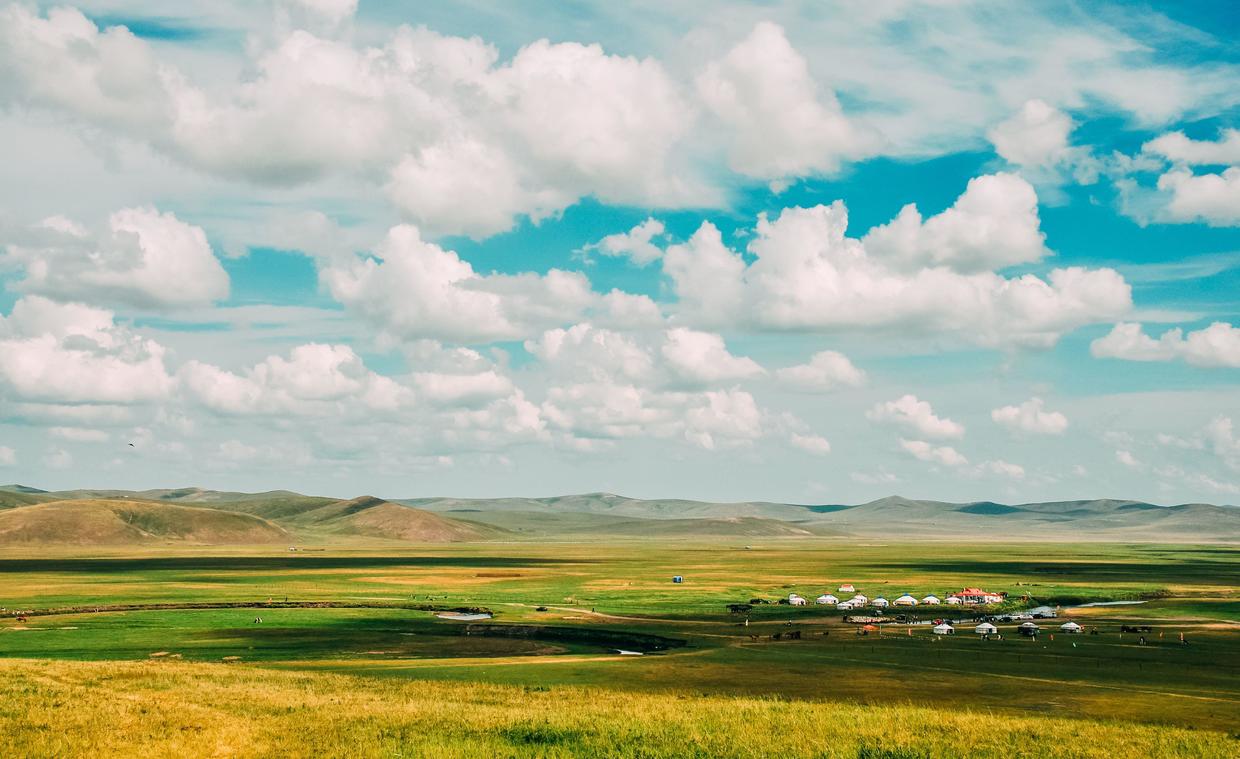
x,y
177,709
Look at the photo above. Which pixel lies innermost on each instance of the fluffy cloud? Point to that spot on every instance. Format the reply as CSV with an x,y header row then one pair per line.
x,y
912,413
415,289
779,124
636,244
8,456
585,351
1031,417
1127,459
1034,136
1181,149
677,357
144,258
825,371
70,353
992,225
606,411
1212,198
1215,346
808,275
463,143
703,358
923,451
315,378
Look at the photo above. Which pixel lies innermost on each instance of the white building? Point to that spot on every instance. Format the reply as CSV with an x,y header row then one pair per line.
x,y
932,600
827,598
905,600
846,588
954,600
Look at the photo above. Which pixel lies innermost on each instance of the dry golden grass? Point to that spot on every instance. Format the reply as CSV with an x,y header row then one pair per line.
x,y
166,708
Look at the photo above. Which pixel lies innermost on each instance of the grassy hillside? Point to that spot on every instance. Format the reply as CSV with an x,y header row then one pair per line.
x,y
584,525
374,517
126,522
11,499
175,709
606,515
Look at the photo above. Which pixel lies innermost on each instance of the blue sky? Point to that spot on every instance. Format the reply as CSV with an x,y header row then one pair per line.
x,y
813,252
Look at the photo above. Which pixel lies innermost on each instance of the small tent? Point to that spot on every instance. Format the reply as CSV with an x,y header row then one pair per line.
x,y
944,629
846,588
954,600
795,600
905,600
985,628
880,602
933,600
827,598
1029,629
1071,627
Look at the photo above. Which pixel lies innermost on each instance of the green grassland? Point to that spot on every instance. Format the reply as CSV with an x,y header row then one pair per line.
x,y
1160,694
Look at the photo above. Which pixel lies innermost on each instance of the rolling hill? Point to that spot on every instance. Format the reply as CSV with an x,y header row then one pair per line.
x,y
604,515
376,518
131,522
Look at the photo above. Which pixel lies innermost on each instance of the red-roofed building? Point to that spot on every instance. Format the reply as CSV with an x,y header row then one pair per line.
x,y
979,596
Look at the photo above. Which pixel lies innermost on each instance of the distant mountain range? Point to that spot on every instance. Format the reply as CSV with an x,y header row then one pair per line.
x,y
193,515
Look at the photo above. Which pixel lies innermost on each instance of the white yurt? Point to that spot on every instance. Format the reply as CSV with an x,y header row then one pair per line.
x,y
860,600
944,629
933,600
795,600
1071,627
845,605
1028,628
880,602
905,600
827,598
954,600
985,628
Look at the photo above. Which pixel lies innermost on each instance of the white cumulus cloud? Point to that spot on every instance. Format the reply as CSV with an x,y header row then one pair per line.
x,y
915,414
1215,346
923,451
1031,417
825,371
143,258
